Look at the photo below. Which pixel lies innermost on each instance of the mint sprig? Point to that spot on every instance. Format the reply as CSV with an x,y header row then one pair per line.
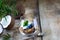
x,y
25,23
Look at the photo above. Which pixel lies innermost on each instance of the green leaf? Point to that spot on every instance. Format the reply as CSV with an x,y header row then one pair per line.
x,y
6,37
25,23
7,7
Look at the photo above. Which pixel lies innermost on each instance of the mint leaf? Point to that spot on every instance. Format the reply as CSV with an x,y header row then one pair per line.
x,y
25,23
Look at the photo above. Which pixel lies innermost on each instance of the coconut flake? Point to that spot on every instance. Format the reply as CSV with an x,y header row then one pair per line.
x,y
6,21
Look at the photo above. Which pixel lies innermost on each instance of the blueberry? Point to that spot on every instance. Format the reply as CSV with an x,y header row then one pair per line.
x,y
30,26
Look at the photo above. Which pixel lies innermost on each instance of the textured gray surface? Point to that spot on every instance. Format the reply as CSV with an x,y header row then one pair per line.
x,y
50,19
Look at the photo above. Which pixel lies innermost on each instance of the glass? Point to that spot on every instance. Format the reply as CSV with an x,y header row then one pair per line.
x,y
32,18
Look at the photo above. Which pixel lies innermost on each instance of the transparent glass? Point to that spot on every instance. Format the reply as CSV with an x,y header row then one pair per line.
x,y
31,17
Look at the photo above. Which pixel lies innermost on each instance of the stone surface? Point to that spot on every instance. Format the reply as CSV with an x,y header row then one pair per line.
x,y
50,18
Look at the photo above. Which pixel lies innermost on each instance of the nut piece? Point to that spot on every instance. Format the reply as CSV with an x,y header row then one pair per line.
x,y
29,31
